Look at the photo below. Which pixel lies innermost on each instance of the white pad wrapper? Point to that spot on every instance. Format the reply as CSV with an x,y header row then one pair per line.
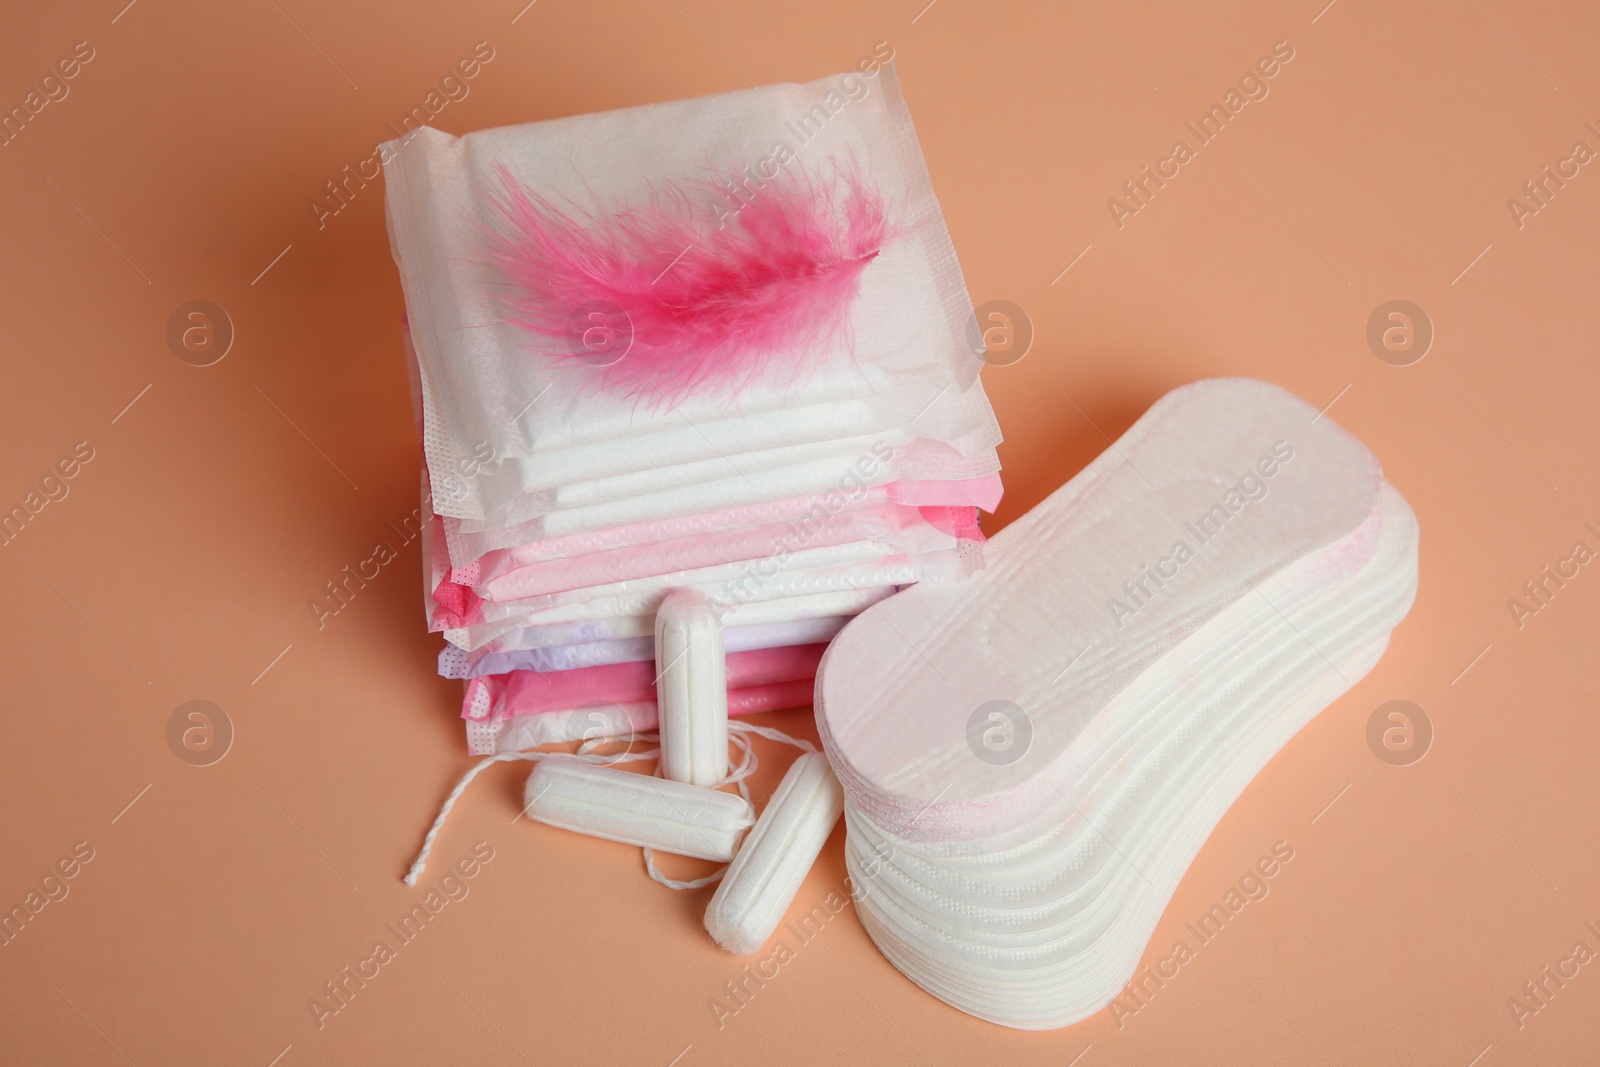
x,y
456,663
773,861
1032,758
675,817
486,390
691,689
501,637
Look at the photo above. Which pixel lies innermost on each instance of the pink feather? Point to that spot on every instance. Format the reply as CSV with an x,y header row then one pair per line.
x,y
667,301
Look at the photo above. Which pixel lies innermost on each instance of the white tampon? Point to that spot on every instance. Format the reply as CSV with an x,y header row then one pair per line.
x,y
686,820
691,689
766,874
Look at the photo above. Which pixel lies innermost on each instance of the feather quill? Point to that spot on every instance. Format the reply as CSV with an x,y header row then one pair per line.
x,y
670,298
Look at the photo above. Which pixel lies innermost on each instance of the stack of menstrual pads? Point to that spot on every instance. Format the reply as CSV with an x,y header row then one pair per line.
x,y
1032,758
571,491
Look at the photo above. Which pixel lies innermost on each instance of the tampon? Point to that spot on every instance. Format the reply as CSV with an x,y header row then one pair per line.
x,y
766,874
691,689
675,817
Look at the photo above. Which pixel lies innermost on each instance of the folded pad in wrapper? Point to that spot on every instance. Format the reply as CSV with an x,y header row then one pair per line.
x,y
504,421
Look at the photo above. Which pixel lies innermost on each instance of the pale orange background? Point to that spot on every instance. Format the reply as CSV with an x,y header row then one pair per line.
x,y
181,564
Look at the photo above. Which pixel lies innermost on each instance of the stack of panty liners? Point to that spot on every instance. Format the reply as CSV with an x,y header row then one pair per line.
x,y
840,466
1031,759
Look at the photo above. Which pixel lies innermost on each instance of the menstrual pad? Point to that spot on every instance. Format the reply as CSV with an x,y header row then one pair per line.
x,y
509,426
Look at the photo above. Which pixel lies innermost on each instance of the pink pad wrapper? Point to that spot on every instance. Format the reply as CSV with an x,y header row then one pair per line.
x,y
567,564
486,738
896,526
503,696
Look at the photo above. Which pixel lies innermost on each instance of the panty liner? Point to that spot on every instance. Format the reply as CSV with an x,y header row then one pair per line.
x,y
1023,889
1043,925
